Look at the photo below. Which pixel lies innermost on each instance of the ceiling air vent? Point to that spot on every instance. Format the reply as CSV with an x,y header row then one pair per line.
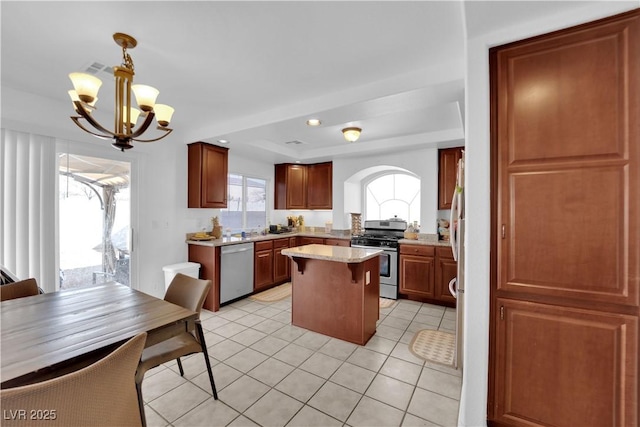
x,y
295,142
96,68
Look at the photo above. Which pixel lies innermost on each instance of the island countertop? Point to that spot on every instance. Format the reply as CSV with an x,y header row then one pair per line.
x,y
332,253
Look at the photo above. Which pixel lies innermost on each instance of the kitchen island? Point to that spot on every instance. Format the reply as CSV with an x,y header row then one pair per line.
x,y
335,290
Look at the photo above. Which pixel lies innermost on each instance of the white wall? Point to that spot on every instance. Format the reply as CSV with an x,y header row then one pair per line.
x,y
422,162
473,400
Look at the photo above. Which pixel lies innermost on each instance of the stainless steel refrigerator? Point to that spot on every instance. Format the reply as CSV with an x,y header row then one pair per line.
x,y
456,285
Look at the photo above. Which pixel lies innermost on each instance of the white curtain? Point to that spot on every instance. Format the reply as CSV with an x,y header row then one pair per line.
x,y
27,216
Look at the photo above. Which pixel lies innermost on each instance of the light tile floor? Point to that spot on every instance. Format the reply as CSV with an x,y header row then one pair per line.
x,y
271,373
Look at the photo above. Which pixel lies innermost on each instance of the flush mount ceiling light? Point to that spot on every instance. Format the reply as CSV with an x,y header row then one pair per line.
x,y
351,134
314,122
85,95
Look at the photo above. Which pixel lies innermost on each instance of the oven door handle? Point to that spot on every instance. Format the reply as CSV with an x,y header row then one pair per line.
x,y
375,247
363,247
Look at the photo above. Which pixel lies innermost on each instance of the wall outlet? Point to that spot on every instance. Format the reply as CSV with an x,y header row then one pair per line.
x,y
367,277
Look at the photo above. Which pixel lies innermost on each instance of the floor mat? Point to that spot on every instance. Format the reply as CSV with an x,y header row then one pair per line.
x,y
274,294
386,302
434,346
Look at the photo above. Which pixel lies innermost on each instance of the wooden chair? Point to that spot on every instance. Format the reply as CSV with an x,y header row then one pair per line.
x,y
190,293
102,394
23,288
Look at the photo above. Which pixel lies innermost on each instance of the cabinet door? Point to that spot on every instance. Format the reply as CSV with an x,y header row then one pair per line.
x,y
337,242
564,367
263,269
446,269
417,275
296,187
280,262
447,170
310,240
320,186
207,176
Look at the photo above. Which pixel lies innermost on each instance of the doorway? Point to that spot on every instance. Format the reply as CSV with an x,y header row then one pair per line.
x,y
94,220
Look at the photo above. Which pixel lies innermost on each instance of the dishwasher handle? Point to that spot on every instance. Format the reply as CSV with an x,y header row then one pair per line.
x,y
241,248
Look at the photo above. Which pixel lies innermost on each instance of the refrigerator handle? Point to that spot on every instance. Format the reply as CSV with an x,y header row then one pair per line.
x,y
452,224
452,284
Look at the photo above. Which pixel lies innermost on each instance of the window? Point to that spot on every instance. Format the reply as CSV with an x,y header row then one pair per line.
x,y
390,195
246,204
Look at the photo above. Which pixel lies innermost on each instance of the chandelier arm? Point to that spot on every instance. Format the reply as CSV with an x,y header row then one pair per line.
x,y
77,122
167,130
144,126
91,120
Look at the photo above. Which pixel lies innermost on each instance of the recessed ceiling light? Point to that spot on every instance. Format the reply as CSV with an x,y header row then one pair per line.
x,y
314,122
223,141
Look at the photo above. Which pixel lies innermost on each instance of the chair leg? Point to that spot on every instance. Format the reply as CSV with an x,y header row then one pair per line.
x,y
180,367
143,417
203,344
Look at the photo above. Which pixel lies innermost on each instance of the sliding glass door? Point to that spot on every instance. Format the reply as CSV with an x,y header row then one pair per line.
x,y
94,220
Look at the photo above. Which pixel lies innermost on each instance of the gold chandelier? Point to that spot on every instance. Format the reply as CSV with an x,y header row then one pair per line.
x,y
85,95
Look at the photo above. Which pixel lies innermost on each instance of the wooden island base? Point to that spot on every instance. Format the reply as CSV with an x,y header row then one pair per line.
x,y
335,298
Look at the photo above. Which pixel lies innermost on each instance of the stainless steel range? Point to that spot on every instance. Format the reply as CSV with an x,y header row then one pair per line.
x,y
384,234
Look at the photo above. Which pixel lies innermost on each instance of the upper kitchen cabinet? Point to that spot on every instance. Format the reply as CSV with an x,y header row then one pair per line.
x,y
207,175
291,186
447,170
320,186
304,186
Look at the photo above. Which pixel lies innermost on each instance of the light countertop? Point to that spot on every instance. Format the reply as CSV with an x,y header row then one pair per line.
x,y
425,242
332,253
224,241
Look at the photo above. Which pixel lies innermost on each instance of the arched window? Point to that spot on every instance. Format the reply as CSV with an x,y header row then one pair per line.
x,y
395,194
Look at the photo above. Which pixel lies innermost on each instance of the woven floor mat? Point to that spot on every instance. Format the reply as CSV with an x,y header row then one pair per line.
x,y
434,346
274,294
386,302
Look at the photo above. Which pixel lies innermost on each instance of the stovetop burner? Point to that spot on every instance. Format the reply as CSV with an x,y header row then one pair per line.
x,y
381,233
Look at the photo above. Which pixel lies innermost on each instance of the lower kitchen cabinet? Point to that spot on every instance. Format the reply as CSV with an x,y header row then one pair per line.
x,y
337,242
263,265
209,259
280,262
310,240
417,265
534,389
425,273
446,270
270,266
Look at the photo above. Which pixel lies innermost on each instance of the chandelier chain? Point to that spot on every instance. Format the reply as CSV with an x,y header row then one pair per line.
x,y
126,59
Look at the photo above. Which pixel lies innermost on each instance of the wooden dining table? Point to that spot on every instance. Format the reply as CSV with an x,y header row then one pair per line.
x,y
47,335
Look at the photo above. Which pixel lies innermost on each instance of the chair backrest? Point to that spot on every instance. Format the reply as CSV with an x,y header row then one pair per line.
x,y
102,394
23,288
188,292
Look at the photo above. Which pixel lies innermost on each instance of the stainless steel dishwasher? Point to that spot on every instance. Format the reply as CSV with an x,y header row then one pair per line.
x,y
236,271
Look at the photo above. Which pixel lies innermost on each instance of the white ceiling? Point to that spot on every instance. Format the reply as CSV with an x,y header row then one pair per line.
x,y
253,72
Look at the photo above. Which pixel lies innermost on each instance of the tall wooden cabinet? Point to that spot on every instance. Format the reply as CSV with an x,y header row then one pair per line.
x,y
207,175
566,227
